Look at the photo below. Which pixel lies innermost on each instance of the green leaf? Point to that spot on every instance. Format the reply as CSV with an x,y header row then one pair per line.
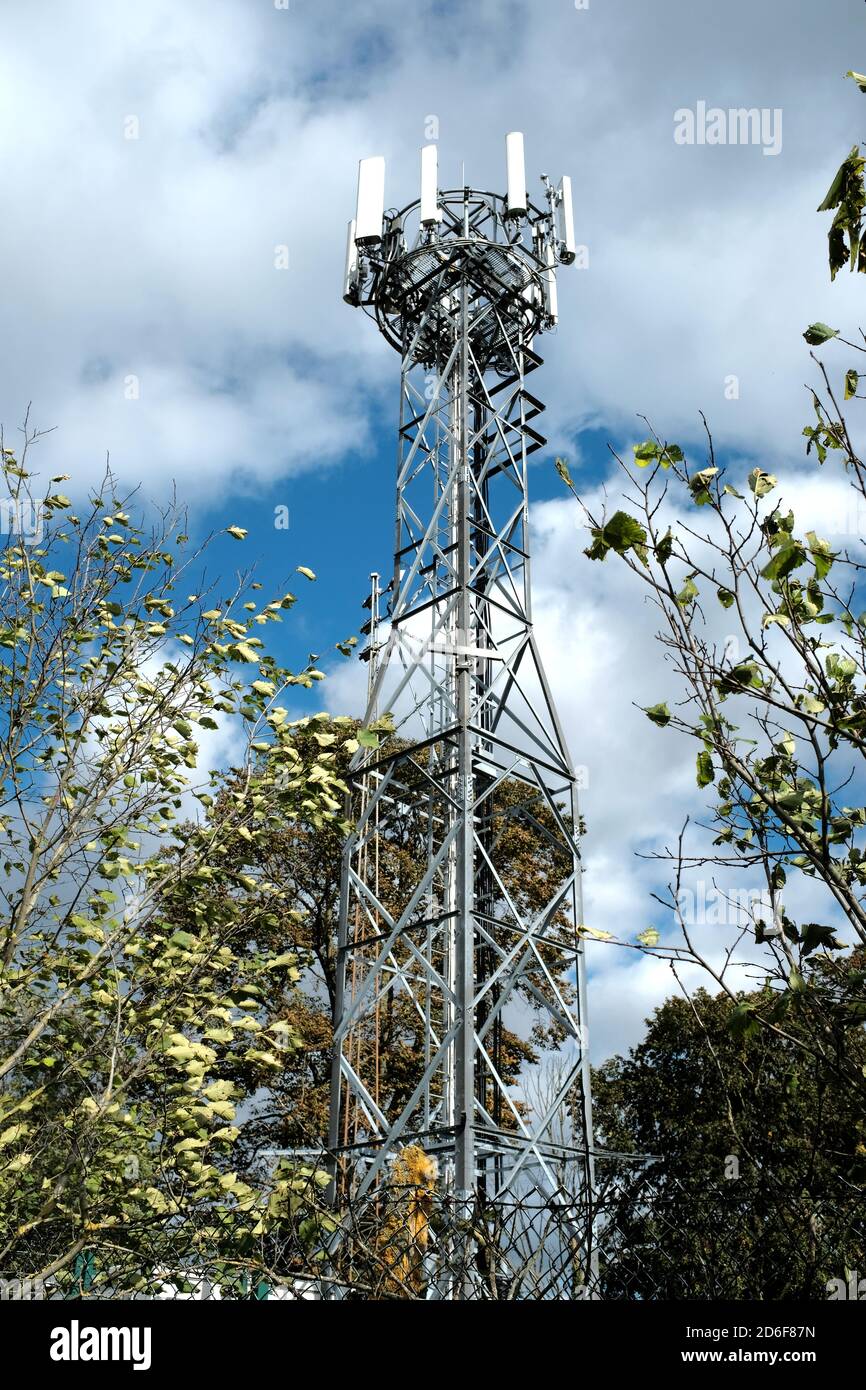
x,y
742,1023
815,934
761,483
659,714
818,333
822,555
852,379
562,470
688,593
651,452
649,937
242,651
725,597
699,486
646,453
840,668
265,1059
705,770
621,534
810,704
221,1035
219,1090
281,962
665,547
788,557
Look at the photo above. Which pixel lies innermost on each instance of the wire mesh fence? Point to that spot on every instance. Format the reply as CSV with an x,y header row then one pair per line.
x,y
667,1236
644,1234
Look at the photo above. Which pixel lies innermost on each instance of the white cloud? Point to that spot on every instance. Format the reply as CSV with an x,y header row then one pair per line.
x,y
154,256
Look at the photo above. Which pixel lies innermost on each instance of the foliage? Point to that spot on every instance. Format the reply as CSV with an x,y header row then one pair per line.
x,y
777,708
303,858
763,622
847,196
756,1191
137,951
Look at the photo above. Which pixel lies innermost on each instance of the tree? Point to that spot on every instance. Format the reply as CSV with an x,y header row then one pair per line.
x,y
303,857
761,622
137,952
755,1160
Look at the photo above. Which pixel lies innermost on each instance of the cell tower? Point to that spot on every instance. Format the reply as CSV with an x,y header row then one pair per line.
x,y
438,928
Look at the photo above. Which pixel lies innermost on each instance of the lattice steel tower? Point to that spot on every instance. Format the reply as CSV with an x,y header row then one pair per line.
x,y
445,951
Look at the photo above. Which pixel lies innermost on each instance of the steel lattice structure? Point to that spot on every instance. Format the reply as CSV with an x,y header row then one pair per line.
x,y
474,748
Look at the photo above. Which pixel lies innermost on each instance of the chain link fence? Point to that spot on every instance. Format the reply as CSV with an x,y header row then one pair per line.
x,y
646,1234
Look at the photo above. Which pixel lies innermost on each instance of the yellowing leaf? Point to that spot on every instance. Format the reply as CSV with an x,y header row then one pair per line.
x,y
595,933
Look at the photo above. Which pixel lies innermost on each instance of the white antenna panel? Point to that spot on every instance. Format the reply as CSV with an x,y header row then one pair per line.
x,y
431,213
516,170
371,200
351,274
567,220
550,294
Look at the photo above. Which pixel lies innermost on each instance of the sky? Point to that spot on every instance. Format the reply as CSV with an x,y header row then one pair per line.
x,y
178,178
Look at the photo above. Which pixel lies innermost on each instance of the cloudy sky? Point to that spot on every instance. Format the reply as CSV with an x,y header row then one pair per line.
x,y
164,159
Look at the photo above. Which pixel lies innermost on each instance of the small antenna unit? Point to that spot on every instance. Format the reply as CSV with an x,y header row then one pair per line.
x,y
569,248
431,213
371,200
516,173
350,278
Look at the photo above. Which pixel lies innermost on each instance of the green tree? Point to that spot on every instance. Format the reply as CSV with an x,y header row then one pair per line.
x,y
763,625
136,950
302,856
754,1160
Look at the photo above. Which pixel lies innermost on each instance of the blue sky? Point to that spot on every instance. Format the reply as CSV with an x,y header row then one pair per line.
x,y
157,153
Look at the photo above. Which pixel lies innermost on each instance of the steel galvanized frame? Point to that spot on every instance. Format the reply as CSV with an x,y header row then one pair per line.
x,y
475,692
